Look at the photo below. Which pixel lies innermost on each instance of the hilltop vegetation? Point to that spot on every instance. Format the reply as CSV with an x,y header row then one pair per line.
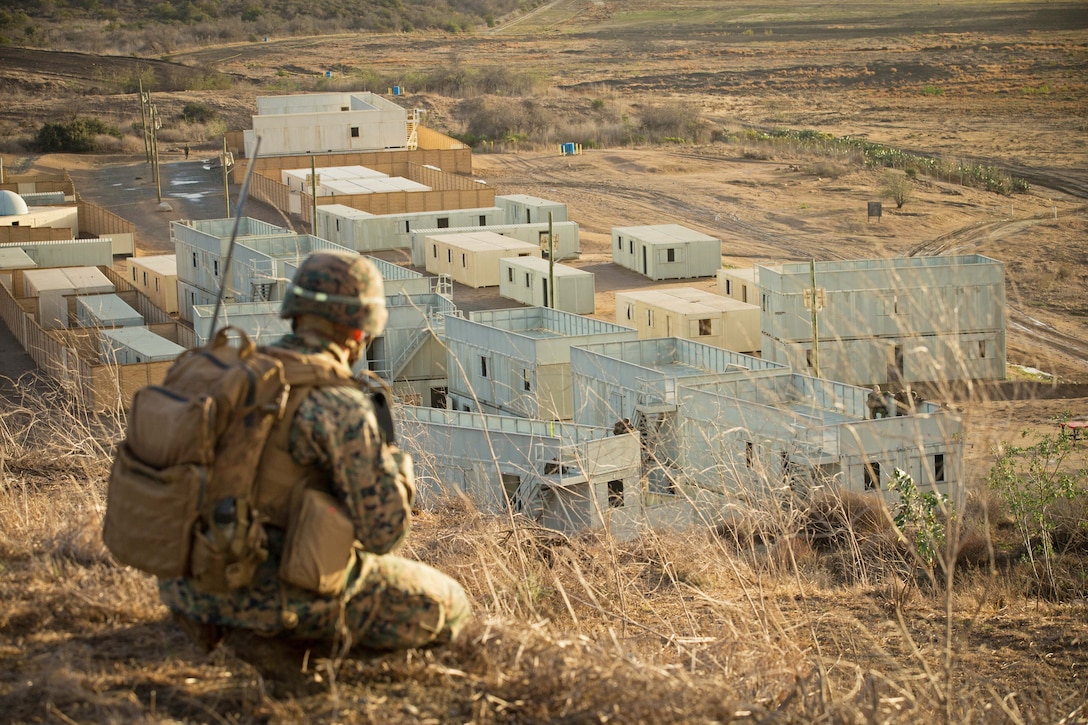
x,y
129,26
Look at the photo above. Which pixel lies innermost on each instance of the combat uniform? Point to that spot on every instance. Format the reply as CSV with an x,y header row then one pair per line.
x,y
388,602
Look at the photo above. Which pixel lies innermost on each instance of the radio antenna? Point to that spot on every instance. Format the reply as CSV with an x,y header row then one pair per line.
x,y
227,271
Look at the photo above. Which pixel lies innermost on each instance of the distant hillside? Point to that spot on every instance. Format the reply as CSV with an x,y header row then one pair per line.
x,y
129,26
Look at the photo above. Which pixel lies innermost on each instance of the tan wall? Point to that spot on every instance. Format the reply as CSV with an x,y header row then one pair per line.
x,y
450,160
166,297
270,191
39,183
406,201
100,222
429,139
33,234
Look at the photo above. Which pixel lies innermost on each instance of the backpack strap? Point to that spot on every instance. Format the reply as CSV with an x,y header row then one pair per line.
x,y
278,473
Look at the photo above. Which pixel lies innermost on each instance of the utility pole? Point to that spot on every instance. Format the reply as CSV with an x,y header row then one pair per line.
x,y
155,152
143,122
226,186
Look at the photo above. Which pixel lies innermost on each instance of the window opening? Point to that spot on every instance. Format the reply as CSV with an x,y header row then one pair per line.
x,y
615,494
872,476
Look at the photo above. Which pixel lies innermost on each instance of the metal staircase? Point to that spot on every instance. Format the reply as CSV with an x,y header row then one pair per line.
x,y
529,498
415,116
422,333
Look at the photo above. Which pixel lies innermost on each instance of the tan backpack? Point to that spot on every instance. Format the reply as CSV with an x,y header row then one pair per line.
x,y
182,483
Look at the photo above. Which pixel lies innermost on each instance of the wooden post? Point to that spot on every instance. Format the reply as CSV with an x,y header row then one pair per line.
x,y
143,122
155,153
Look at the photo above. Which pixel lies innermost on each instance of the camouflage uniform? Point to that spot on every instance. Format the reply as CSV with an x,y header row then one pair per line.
x,y
388,602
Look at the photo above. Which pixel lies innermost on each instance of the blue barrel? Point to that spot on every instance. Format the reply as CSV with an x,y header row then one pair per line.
x,y
396,90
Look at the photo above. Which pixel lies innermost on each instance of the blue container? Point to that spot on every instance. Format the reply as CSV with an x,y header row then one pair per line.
x,y
396,90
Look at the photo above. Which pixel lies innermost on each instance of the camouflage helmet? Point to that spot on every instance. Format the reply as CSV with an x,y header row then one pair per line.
x,y
342,288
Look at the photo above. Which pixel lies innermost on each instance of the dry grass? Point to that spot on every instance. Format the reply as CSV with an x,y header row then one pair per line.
x,y
817,619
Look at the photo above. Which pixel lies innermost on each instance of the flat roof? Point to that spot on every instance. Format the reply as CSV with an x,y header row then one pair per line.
x,y
749,273
108,307
528,200
164,264
545,322
485,241
688,300
15,258
143,341
370,186
330,173
665,233
538,264
343,211
854,265
88,278
47,280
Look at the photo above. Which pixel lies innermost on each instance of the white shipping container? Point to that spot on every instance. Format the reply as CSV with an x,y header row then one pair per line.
x,y
528,280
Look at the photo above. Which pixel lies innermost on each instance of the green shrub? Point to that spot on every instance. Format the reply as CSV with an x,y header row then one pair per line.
x,y
198,113
75,136
1034,480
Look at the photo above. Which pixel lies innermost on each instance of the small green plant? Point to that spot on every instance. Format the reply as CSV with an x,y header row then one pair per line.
x,y
916,517
1032,479
932,91
897,187
1039,90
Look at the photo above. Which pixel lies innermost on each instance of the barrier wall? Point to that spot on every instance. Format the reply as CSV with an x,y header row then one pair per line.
x,y
100,222
450,160
33,234
39,183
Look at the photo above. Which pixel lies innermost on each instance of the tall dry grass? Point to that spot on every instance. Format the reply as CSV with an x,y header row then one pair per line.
x,y
794,610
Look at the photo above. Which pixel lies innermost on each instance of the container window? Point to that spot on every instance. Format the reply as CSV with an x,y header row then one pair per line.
x,y
615,494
